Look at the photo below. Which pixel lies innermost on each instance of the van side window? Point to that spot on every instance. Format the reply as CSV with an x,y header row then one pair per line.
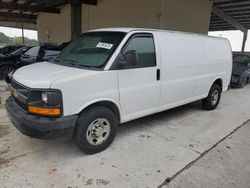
x,y
145,50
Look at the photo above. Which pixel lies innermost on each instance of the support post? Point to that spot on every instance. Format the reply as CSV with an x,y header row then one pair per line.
x,y
244,41
22,28
76,20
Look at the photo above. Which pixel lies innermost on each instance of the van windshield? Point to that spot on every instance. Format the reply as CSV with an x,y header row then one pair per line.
x,y
92,49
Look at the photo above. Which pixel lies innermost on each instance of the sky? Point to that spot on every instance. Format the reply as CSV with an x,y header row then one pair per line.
x,y
13,32
235,37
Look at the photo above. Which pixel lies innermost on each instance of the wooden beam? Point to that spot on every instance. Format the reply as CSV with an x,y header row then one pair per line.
x,y
56,3
91,2
13,17
27,8
233,23
228,19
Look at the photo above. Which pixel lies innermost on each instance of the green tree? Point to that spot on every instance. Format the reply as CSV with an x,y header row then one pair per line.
x,y
27,41
5,40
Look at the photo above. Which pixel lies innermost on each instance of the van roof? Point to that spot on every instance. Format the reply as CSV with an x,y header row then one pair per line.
x,y
130,29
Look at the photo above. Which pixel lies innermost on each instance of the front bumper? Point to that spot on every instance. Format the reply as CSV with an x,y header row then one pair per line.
x,y
40,127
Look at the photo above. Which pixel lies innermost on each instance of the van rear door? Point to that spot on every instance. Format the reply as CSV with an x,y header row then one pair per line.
x,y
139,84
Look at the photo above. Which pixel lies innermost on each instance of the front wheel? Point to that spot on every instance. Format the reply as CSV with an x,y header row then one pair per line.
x,y
5,70
96,129
213,98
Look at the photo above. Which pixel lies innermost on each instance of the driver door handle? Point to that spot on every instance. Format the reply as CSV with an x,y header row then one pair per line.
x,y
158,74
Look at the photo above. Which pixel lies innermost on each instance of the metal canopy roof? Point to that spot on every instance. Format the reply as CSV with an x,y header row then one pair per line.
x,y
237,10
26,10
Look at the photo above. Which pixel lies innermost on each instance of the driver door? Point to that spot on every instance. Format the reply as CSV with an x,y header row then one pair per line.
x,y
30,56
139,83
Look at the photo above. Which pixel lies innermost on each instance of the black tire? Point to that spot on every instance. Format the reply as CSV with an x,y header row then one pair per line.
x,y
86,120
243,83
5,70
209,103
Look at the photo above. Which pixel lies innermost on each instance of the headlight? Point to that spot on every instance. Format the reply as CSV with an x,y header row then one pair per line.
x,y
51,98
47,102
44,97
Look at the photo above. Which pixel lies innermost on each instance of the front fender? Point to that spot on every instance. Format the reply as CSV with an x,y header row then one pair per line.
x,y
96,101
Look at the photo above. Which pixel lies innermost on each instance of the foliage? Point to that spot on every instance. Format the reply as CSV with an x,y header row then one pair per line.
x,y
5,40
27,41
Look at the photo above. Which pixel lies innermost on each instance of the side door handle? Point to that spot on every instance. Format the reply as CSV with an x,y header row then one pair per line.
x,y
158,74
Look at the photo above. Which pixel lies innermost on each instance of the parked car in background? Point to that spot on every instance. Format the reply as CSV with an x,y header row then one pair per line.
x,y
241,70
9,49
26,56
38,54
9,62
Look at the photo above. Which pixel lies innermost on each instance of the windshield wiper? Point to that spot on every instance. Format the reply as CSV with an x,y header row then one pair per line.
x,y
74,63
71,62
68,60
56,60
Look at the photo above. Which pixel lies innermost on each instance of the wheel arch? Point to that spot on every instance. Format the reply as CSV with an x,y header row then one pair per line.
x,y
219,82
108,103
6,64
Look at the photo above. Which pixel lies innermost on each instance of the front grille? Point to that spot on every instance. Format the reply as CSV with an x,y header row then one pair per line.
x,y
20,94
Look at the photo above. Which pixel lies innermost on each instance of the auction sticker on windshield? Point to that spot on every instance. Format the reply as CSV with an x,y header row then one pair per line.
x,y
104,45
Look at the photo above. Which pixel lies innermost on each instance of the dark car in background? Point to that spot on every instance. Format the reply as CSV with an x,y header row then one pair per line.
x,y
241,70
44,52
8,62
9,49
38,54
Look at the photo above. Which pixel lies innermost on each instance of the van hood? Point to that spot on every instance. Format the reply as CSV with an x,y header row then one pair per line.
x,y
43,74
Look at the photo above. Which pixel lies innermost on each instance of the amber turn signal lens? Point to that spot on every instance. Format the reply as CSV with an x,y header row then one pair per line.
x,y
45,111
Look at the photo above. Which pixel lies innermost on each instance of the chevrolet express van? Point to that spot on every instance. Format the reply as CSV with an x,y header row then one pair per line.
x,y
111,76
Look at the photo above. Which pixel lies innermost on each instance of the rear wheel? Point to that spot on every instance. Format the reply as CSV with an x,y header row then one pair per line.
x,y
213,98
5,70
96,129
243,83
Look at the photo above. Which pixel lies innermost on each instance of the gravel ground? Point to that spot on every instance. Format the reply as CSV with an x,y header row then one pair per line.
x,y
3,93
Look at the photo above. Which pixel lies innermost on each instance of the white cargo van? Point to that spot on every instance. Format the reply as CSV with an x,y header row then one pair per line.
x,y
111,76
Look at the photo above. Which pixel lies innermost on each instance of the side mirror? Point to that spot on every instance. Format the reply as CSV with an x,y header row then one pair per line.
x,y
25,56
129,59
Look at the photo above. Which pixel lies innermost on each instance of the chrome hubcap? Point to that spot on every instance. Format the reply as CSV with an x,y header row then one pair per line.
x,y
215,97
98,131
